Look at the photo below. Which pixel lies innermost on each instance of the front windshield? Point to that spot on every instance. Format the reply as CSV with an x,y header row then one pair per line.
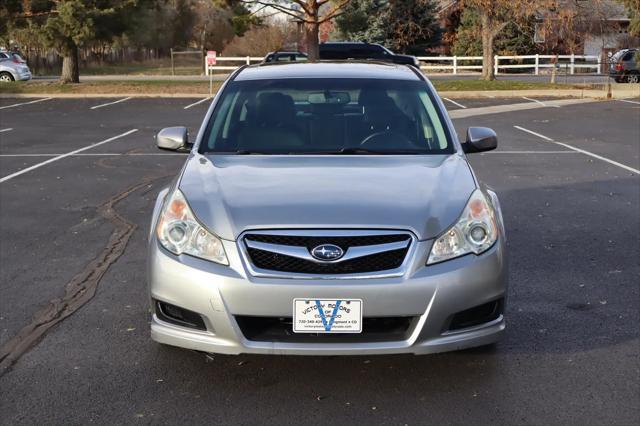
x,y
326,116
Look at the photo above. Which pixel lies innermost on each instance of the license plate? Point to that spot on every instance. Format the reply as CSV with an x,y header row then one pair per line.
x,y
327,316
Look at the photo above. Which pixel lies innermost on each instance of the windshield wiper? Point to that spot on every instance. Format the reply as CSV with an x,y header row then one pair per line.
x,y
239,152
343,151
360,151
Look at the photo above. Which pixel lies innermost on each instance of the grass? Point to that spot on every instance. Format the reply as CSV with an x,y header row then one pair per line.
x,y
111,87
472,85
150,87
133,69
183,66
140,69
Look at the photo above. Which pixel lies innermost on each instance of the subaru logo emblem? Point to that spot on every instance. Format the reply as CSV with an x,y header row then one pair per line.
x,y
327,252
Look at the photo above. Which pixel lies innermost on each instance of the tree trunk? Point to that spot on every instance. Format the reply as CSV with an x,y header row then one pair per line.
x,y
487,47
311,34
311,38
70,69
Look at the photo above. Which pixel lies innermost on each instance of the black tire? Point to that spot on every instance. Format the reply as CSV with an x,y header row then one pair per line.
x,y
633,78
6,77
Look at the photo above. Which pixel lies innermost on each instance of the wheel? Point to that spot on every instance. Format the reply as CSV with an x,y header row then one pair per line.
x,y
633,78
6,77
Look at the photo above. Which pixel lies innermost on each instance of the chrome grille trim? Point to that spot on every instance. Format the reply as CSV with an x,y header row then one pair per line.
x,y
301,252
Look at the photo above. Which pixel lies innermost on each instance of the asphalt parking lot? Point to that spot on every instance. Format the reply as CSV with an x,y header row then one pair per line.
x,y
78,179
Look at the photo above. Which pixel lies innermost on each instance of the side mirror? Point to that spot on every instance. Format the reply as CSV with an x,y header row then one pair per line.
x,y
174,139
480,139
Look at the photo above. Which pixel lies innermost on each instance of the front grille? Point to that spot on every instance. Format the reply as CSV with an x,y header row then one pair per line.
x,y
374,329
265,259
374,263
341,241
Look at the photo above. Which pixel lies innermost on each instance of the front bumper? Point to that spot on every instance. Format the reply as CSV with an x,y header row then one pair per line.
x,y
431,295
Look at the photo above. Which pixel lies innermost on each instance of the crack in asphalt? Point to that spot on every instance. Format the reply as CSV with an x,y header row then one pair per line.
x,y
82,287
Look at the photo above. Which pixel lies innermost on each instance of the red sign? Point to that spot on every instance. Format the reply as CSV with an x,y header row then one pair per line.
x,y
211,57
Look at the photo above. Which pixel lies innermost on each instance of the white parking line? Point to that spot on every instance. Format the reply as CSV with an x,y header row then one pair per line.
x,y
174,154
534,133
582,151
111,103
6,130
539,102
197,103
520,106
629,101
26,103
68,154
110,154
525,152
455,103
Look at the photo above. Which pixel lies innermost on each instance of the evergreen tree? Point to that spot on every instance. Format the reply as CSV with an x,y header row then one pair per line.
x,y
402,25
514,39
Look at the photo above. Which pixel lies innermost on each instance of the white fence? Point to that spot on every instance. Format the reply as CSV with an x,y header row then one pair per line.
x,y
454,64
237,61
534,62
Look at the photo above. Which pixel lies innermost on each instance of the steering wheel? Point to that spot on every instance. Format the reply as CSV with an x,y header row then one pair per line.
x,y
385,135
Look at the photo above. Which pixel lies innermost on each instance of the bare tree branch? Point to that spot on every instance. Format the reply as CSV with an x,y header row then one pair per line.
x,y
335,11
280,8
304,5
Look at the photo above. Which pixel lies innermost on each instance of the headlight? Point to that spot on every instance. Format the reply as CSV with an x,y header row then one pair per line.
x,y
179,232
475,232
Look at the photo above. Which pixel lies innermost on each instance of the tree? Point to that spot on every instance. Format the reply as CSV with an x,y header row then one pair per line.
x,y
404,25
361,21
66,25
240,18
410,24
69,27
567,27
219,21
495,15
311,13
9,10
276,34
514,39
633,8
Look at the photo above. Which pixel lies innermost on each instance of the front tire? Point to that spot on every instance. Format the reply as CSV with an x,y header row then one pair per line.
x,y
633,78
6,77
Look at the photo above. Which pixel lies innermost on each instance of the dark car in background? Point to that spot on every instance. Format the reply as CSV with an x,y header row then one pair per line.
x,y
361,50
624,66
285,57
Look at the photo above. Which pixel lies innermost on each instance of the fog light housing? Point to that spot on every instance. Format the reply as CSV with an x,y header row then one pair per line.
x,y
179,316
477,315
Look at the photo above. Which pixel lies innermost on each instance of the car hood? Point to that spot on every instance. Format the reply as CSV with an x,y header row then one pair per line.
x,y
231,194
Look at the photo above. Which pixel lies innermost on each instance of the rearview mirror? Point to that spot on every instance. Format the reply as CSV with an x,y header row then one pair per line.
x,y
327,97
174,139
480,139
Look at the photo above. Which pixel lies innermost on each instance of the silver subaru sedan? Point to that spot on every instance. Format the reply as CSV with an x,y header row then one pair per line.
x,y
327,209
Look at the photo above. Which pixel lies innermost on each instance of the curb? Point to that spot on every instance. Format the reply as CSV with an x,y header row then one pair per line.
x,y
102,95
616,93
